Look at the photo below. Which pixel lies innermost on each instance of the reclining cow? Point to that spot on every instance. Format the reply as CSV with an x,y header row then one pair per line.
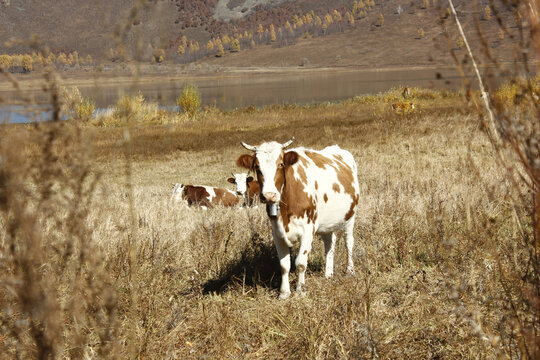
x,y
204,196
307,192
246,187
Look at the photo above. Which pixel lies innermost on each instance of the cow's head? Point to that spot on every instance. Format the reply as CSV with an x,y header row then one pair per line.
x,y
241,181
270,163
177,192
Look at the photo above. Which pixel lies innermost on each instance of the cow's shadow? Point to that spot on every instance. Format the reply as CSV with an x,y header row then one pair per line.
x,y
258,266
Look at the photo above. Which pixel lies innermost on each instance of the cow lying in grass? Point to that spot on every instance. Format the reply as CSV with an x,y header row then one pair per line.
x,y
247,187
204,196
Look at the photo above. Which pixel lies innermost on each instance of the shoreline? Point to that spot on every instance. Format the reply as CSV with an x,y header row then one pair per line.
x,y
145,75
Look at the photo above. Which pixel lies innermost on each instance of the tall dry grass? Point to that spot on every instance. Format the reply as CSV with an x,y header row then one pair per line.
x,y
162,281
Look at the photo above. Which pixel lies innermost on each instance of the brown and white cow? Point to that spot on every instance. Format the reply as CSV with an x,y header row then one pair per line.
x,y
317,193
247,187
204,196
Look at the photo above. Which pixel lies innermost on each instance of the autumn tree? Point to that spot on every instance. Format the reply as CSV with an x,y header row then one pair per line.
x,y
235,45
180,50
380,20
220,51
62,59
272,33
487,13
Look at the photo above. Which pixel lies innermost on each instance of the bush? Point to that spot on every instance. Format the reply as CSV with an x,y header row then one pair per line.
x,y
85,108
190,100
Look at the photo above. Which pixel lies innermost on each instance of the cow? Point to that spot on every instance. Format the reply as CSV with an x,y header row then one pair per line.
x,y
247,187
316,192
204,196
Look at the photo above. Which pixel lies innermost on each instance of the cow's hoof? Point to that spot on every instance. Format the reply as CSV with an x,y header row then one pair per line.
x,y
283,296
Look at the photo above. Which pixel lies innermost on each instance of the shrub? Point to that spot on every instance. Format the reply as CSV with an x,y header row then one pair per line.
x,y
190,100
85,108
5,62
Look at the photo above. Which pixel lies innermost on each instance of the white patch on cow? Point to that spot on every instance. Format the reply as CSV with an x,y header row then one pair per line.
x,y
240,180
267,154
212,193
177,190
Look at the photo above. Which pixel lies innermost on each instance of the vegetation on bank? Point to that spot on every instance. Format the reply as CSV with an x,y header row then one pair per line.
x,y
24,63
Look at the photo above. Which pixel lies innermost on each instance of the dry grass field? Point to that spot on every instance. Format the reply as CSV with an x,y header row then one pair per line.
x,y
97,263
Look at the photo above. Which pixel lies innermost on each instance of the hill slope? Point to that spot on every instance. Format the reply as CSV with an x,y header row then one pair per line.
x,y
90,28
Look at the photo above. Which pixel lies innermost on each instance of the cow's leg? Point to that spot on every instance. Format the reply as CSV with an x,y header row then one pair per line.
x,y
329,248
285,265
349,241
302,258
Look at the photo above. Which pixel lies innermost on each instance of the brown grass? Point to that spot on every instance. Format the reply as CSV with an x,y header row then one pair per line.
x,y
98,263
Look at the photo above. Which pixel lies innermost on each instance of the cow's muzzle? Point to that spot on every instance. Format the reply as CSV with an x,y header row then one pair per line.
x,y
270,197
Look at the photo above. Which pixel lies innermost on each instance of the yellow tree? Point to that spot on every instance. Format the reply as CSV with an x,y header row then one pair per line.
x,y
210,45
487,13
220,51
272,33
180,50
61,59
27,63
337,16
235,45
89,59
5,62
380,20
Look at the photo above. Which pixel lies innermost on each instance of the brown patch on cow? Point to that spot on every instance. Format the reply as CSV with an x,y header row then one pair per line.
x,y
196,195
294,201
350,213
305,252
253,190
225,197
336,188
339,158
290,158
316,185
245,161
302,174
325,197
319,160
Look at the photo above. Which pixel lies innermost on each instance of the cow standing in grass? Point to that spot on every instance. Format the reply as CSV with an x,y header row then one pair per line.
x,y
204,196
317,193
247,187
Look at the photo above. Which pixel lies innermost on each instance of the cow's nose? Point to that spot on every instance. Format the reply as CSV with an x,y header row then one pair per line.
x,y
270,197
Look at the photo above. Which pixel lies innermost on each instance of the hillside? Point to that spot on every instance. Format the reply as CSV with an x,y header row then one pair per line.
x,y
101,26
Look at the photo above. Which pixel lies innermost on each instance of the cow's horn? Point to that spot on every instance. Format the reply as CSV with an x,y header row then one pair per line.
x,y
249,147
283,146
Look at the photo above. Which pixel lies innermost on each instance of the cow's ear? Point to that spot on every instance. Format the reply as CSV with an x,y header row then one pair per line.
x,y
231,180
290,158
245,161
249,179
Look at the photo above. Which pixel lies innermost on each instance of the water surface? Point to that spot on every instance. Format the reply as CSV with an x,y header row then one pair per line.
x,y
228,92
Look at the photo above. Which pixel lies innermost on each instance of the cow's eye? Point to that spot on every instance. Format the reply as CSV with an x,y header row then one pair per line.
x,y
281,165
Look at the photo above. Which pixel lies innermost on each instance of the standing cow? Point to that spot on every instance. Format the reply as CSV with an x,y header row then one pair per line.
x,y
204,196
246,187
316,193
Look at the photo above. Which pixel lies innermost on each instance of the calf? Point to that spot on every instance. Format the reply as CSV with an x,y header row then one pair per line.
x,y
246,187
307,192
204,196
